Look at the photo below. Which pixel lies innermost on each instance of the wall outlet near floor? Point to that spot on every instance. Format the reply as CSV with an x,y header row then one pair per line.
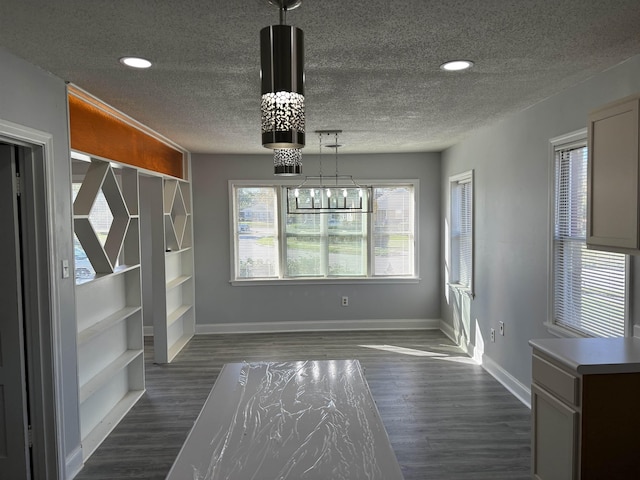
x,y
493,335
345,301
501,328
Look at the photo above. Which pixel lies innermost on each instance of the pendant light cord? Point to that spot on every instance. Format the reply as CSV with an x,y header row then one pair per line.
x,y
336,148
320,137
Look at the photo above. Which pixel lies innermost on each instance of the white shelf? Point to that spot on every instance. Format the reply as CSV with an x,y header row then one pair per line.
x,y
173,296
109,306
174,252
94,438
119,270
102,378
178,346
105,324
174,316
178,281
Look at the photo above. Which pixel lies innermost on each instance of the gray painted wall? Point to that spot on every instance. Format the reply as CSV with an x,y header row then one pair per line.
x,y
219,302
33,98
512,235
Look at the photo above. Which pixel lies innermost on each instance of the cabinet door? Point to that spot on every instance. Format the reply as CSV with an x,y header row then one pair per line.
x,y
555,435
613,177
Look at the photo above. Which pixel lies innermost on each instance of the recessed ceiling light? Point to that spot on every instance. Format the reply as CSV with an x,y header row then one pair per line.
x,y
135,62
456,65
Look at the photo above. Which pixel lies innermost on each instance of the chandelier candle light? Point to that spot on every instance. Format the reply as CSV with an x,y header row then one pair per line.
x,y
329,193
282,79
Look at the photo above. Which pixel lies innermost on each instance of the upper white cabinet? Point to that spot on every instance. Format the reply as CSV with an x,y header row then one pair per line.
x,y
613,183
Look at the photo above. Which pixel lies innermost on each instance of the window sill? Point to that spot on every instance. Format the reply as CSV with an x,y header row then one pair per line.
x,y
562,332
462,289
324,281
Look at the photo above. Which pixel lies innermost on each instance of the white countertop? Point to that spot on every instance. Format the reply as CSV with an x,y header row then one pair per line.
x,y
592,355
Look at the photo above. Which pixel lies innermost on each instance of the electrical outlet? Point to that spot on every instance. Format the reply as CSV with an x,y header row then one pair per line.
x,y
345,301
501,328
493,335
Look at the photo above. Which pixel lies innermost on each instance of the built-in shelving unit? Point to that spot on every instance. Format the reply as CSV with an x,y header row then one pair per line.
x,y
108,305
173,330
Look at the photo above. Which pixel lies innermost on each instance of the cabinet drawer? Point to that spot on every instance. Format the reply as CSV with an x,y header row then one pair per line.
x,y
556,380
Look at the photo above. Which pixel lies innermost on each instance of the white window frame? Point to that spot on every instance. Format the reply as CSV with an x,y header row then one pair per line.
x,y
466,177
233,221
368,279
573,139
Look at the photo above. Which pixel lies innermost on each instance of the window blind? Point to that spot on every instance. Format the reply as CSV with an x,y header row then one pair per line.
x,y
393,231
256,232
589,285
462,232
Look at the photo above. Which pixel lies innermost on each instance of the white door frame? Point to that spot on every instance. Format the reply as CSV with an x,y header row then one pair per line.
x,y
45,343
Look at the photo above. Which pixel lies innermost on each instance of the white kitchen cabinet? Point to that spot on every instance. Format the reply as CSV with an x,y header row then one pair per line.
x,y
584,408
613,220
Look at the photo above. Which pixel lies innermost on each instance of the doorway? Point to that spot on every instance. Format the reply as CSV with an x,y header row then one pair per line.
x,y
27,402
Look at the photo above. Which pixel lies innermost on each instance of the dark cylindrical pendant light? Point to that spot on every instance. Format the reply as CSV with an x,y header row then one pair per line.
x,y
287,162
282,74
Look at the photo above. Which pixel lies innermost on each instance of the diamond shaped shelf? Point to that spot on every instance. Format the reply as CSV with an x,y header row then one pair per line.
x,y
177,215
100,177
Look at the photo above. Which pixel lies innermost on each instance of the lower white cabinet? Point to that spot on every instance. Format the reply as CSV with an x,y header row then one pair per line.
x,y
554,444
585,416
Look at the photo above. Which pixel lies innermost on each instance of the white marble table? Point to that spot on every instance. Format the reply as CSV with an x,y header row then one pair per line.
x,y
311,420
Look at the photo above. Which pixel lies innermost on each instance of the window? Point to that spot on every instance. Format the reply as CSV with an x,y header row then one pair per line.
x,y
323,245
256,232
589,286
461,236
271,244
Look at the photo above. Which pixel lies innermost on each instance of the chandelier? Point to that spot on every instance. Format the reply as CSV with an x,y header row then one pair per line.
x,y
329,193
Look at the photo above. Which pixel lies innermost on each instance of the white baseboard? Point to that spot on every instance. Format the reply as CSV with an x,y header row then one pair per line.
x,y
519,390
448,331
73,463
318,326
315,326
508,381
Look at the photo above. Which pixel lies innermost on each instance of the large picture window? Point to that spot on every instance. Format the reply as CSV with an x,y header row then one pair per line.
x,y
589,286
269,243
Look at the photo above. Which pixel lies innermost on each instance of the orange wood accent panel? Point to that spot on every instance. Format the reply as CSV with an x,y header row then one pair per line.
x,y
96,132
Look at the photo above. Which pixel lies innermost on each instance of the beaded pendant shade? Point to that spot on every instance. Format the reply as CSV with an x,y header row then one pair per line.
x,y
282,80
287,161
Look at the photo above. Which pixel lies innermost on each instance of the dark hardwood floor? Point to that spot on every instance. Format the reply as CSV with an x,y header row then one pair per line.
x,y
446,417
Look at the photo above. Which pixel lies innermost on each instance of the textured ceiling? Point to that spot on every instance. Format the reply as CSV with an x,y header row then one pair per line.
x,y
372,66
